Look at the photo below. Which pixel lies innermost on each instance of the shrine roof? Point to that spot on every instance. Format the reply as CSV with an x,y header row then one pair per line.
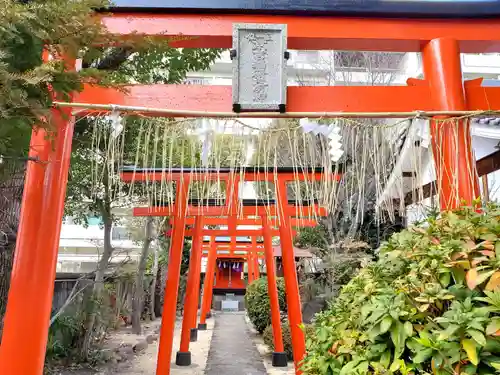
x,y
299,253
358,8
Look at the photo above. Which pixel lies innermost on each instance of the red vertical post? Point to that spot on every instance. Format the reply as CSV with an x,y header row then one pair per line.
x,y
183,357
255,255
291,281
208,285
451,140
279,355
250,266
35,258
257,264
194,325
172,287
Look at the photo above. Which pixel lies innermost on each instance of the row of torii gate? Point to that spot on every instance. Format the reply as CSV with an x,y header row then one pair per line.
x,y
235,251
442,90
275,217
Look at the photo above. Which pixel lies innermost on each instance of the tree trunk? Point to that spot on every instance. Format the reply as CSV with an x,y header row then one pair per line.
x,y
105,208
98,286
152,300
137,299
11,192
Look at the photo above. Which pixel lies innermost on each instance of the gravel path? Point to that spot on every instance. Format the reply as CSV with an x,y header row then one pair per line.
x,y
232,350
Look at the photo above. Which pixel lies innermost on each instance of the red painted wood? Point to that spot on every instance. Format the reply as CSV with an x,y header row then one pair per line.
x,y
327,33
299,98
223,281
451,141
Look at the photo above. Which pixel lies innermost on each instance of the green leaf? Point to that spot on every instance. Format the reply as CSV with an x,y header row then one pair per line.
x,y
398,338
477,336
322,334
497,249
469,369
363,367
492,345
424,307
385,358
408,327
493,326
488,237
396,365
348,369
448,332
470,348
495,365
423,355
385,324
445,279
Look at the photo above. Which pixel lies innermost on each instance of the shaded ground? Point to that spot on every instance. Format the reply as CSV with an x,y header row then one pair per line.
x,y
144,363
228,347
232,350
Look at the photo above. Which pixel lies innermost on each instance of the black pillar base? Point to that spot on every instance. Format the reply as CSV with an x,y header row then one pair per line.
x,y
202,326
193,335
209,315
280,359
183,359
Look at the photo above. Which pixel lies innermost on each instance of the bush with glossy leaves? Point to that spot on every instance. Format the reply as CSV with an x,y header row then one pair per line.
x,y
429,305
257,302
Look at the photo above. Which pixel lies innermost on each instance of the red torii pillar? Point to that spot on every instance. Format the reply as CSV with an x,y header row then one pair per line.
x,y
208,285
207,297
255,261
279,356
189,304
294,306
250,269
183,357
451,140
172,285
31,289
189,328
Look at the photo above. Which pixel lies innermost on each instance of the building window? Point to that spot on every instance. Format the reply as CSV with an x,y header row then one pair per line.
x,y
120,233
306,57
68,220
371,61
195,81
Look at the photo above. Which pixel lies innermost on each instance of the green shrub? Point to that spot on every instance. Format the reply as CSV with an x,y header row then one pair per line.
x,y
257,302
287,337
429,305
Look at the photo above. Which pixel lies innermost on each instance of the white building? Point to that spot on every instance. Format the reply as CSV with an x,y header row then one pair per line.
x,y
80,247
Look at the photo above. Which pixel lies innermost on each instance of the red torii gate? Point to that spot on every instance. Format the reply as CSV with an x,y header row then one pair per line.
x,y
245,251
280,207
440,93
264,208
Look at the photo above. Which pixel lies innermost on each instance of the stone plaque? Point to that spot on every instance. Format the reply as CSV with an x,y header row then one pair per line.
x,y
259,67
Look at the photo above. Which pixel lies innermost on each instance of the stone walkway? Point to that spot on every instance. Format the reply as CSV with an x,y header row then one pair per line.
x,y
232,350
